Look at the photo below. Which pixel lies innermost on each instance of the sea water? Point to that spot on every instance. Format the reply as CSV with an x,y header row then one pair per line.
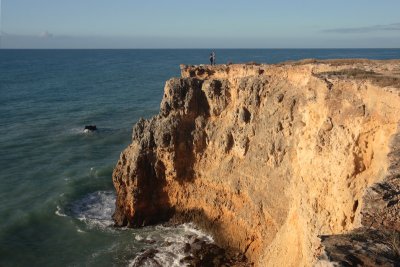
x,y
56,193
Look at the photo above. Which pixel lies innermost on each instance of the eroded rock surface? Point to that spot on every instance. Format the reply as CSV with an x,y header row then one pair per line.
x,y
268,158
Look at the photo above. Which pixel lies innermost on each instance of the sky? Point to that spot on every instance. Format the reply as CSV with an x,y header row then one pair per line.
x,y
200,24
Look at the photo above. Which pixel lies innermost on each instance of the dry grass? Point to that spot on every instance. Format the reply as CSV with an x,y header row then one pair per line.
x,y
253,63
338,62
359,74
394,243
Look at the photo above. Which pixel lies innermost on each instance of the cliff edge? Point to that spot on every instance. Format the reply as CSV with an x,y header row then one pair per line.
x,y
285,163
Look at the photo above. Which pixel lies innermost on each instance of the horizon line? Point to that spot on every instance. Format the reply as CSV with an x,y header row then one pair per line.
x,y
227,48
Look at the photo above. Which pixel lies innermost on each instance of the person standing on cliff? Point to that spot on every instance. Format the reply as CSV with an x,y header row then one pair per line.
x,y
212,58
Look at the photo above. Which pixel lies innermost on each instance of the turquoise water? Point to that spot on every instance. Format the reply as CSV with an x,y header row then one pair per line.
x,y
56,194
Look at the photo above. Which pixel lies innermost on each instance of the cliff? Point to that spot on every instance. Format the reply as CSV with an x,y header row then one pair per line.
x,y
282,162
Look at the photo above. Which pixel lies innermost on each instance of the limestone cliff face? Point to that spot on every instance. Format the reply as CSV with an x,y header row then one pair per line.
x,y
268,158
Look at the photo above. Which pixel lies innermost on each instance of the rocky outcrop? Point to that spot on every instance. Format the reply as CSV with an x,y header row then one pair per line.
x,y
270,159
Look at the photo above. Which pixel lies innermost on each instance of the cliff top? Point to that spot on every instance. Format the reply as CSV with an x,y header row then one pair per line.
x,y
382,73
331,62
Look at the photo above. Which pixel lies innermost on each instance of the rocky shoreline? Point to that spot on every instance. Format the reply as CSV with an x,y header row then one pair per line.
x,y
199,253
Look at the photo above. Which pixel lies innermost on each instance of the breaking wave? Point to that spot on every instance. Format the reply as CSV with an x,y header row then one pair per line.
x,y
168,246
95,209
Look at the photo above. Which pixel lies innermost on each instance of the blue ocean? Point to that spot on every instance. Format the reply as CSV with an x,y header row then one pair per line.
x,y
56,193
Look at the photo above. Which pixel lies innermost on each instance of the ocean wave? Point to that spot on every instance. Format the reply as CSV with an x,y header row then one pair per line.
x,y
168,245
79,230
95,209
103,171
59,212
152,246
81,131
76,130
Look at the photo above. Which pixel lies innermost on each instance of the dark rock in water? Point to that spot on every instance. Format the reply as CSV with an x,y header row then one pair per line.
x,y
186,248
149,241
147,258
195,252
90,128
204,254
187,259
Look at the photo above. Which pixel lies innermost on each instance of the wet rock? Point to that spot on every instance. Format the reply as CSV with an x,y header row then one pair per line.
x,y
90,128
149,241
202,253
147,258
187,248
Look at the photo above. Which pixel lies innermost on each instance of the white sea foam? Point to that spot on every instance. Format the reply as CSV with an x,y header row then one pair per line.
x,y
95,209
138,237
80,230
59,212
77,130
169,244
80,131
107,250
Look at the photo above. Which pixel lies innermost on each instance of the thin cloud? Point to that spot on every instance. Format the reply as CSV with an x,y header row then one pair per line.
x,y
368,29
46,35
